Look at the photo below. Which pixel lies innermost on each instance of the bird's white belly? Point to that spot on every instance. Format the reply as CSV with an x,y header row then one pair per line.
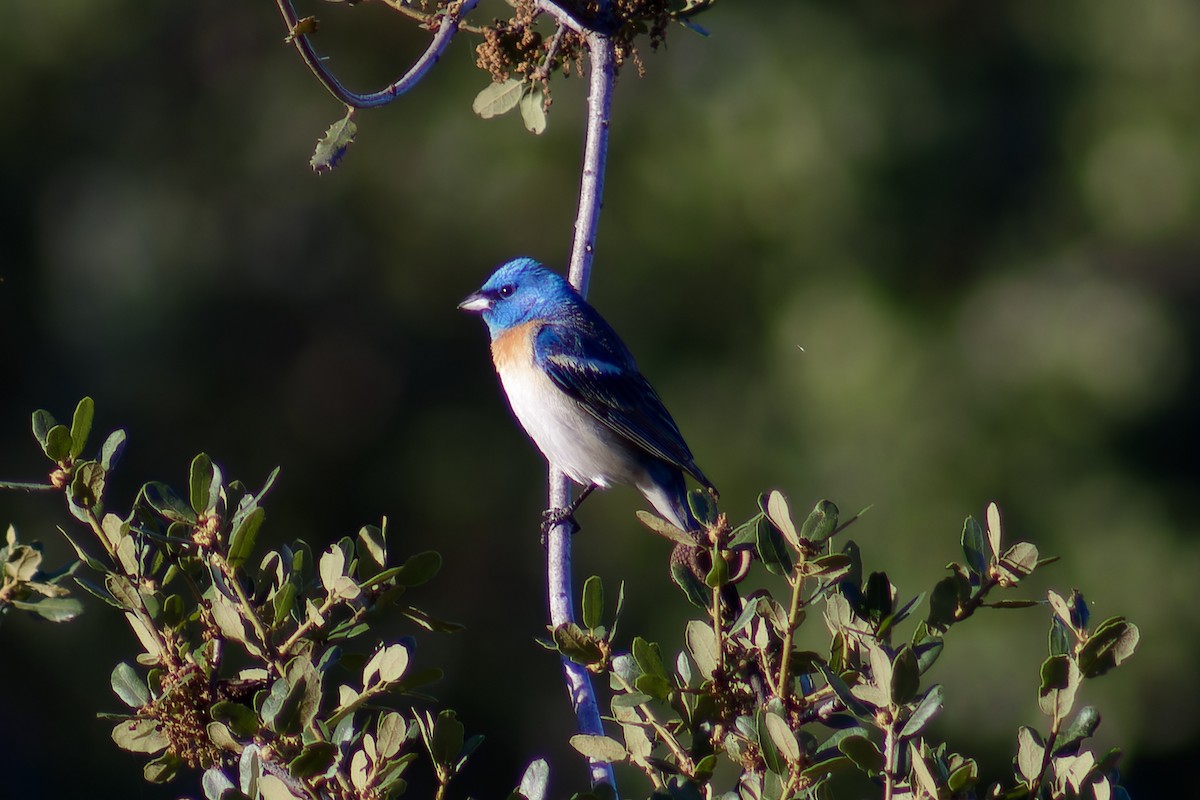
x,y
568,436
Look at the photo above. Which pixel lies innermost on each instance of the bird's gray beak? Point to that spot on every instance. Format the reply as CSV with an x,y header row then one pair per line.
x,y
476,303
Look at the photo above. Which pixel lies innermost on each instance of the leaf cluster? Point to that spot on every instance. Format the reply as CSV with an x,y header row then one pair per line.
x,y
260,667
800,724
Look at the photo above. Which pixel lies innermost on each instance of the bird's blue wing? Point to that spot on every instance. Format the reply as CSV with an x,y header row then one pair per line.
x,y
587,360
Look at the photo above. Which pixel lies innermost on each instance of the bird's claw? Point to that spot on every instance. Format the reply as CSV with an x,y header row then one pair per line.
x,y
552,517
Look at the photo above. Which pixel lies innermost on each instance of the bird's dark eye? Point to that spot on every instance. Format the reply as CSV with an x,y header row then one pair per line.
x,y
506,290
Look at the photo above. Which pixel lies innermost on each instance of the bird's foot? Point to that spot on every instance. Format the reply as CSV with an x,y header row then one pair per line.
x,y
553,517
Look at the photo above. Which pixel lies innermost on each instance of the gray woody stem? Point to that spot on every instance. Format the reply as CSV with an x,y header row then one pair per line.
x,y
446,30
558,543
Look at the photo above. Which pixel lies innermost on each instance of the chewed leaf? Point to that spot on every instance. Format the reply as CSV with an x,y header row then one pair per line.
x,y
333,145
498,98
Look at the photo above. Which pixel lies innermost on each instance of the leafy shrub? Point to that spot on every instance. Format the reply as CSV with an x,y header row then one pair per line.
x,y
266,672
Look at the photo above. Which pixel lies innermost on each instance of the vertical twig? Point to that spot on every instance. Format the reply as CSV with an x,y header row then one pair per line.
x,y
558,540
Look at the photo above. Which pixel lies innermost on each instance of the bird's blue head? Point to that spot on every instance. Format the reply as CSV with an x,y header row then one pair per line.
x,y
520,291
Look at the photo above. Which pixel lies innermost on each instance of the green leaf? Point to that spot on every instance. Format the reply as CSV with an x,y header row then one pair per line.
x,y
241,541
964,777
974,547
690,585
703,507
575,643
921,772
87,485
777,511
598,748
240,719
447,739
391,732
827,768
1029,753
1059,638
167,503
880,595
331,147
535,780
419,569
281,709
1018,561
129,686
648,657
927,650
1060,680
1114,641
110,453
906,676
216,784
822,521
702,644
718,576
250,771
203,488
943,603
771,549
533,110
863,752
372,551
853,704
665,529
58,443
315,759
630,700
781,737
1083,726
593,602
654,685
929,707
391,662
162,769
283,602
81,425
498,98
140,736
52,609
994,530
43,421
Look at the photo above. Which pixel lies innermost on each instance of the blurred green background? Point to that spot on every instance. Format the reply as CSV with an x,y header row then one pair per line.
x,y
914,255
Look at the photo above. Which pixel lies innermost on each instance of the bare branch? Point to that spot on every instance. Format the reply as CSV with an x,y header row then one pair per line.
x,y
447,27
558,542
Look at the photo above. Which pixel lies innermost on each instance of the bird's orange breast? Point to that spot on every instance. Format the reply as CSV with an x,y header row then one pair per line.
x,y
513,349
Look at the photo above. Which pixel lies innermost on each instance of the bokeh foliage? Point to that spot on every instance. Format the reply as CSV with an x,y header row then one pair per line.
x,y
977,221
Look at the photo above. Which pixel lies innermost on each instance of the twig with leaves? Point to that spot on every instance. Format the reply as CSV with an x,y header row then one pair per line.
x,y
253,667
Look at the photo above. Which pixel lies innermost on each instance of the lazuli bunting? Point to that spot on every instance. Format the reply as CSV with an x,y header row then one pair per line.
x,y
576,390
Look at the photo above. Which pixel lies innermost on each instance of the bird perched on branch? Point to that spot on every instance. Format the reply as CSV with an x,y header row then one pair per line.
x,y
576,390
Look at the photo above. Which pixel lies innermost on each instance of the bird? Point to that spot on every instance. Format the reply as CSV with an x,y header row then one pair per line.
x,y
576,390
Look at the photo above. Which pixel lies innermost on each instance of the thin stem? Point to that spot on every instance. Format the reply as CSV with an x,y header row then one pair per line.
x,y
718,633
681,755
889,760
543,72
558,538
307,626
249,613
29,487
448,26
426,18
785,662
